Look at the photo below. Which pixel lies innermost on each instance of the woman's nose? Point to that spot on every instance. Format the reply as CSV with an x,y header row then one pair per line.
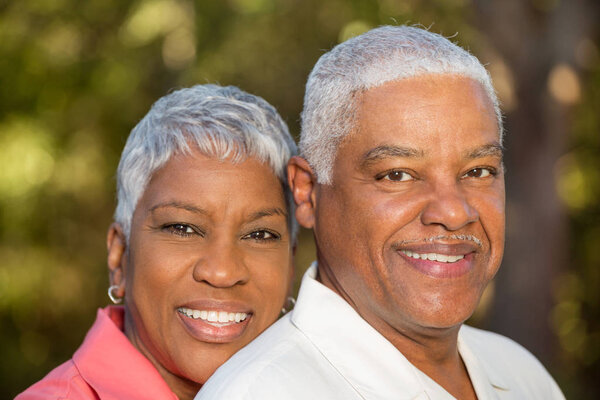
x,y
449,207
221,265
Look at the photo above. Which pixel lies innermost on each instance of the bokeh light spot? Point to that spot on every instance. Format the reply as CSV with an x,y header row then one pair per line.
x,y
574,180
25,158
62,44
504,83
563,84
352,29
179,48
154,18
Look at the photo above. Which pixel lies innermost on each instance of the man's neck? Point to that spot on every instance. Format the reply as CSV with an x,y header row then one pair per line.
x,y
433,351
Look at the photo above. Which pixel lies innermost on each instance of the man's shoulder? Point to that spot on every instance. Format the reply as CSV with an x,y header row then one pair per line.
x,y
280,363
510,365
491,345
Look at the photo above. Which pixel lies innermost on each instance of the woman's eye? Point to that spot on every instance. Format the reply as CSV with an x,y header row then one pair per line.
x,y
479,173
397,176
262,235
180,229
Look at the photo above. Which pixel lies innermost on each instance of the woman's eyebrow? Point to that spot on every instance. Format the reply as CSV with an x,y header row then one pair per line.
x,y
176,204
389,151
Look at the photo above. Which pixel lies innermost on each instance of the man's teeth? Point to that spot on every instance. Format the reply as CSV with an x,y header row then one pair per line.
x,y
433,256
213,316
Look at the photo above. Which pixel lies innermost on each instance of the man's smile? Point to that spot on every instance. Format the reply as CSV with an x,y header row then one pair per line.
x,y
440,257
433,256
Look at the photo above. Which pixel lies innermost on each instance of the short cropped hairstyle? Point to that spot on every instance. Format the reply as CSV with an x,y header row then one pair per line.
x,y
381,55
222,122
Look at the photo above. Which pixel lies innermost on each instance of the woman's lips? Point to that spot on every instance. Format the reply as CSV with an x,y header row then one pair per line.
x,y
214,325
212,316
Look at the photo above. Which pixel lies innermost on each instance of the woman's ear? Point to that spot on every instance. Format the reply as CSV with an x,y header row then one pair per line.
x,y
302,181
116,245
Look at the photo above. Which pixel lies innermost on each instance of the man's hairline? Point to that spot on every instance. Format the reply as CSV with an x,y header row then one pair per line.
x,y
355,101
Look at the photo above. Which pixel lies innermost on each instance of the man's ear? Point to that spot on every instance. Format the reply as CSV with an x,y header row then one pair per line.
x,y
303,181
116,245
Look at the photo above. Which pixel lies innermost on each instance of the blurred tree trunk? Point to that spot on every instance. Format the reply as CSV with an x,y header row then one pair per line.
x,y
532,41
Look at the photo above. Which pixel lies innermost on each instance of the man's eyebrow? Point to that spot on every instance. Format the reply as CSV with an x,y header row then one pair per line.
x,y
176,204
488,150
267,213
389,151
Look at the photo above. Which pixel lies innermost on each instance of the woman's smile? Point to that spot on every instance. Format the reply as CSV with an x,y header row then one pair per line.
x,y
215,321
214,326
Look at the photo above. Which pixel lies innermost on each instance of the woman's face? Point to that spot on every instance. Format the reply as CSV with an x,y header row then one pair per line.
x,y
208,267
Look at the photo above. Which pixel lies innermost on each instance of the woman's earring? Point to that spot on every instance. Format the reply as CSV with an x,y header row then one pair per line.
x,y
290,302
113,298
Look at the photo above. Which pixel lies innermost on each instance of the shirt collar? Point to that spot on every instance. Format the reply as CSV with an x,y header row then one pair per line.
x,y
483,375
113,367
366,359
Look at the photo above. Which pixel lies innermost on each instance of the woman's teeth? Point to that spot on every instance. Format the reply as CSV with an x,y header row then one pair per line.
x,y
433,256
213,316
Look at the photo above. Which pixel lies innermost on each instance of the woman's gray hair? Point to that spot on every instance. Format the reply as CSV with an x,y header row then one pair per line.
x,y
381,55
223,122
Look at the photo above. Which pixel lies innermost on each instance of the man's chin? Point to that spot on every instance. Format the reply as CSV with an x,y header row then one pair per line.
x,y
443,321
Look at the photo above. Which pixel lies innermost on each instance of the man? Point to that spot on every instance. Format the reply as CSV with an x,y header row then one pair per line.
x,y
401,179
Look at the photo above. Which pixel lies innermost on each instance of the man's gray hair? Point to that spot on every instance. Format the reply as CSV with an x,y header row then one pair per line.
x,y
381,55
223,122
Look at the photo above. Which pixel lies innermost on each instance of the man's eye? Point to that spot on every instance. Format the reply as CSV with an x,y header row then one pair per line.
x,y
397,176
262,235
180,229
479,173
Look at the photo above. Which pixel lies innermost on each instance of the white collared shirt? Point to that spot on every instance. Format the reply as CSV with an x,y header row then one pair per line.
x,y
323,349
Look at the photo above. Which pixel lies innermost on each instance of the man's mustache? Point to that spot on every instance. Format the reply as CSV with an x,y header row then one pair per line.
x,y
472,238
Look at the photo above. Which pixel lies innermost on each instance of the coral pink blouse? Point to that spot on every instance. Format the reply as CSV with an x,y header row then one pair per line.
x,y
106,367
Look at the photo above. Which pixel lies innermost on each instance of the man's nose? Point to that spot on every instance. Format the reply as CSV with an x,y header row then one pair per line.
x,y
449,206
221,265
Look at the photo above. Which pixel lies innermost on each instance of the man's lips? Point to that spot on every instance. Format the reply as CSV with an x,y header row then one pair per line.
x,y
450,248
439,259
446,258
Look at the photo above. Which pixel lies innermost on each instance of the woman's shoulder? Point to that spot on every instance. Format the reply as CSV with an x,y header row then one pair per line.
x,y
62,383
66,381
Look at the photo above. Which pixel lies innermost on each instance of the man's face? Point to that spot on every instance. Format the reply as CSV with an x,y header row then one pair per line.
x,y
411,230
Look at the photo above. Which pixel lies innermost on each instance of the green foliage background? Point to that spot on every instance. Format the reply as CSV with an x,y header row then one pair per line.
x,y
76,76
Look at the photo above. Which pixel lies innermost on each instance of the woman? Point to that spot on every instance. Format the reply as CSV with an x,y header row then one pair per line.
x,y
200,250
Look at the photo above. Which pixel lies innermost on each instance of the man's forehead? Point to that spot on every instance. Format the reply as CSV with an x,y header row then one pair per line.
x,y
425,92
392,117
